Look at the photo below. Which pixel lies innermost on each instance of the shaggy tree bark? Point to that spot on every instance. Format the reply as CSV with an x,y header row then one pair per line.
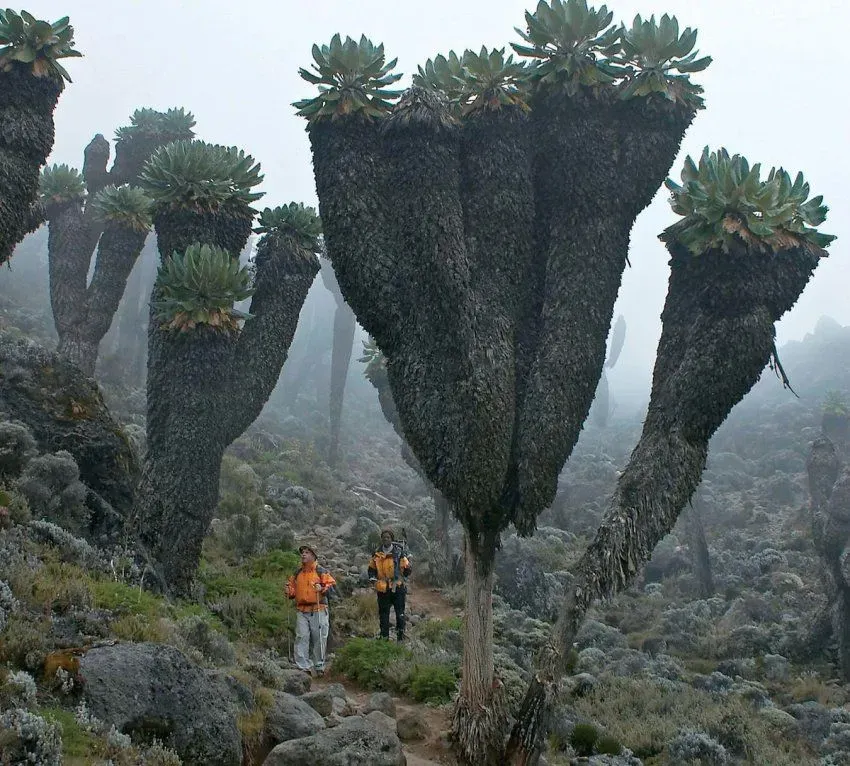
x,y
26,114
717,337
490,289
205,387
83,311
345,323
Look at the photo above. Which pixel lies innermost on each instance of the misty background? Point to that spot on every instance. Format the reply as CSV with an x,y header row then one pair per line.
x,y
774,93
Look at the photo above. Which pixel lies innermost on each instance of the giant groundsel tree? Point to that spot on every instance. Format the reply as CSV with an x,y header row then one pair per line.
x,y
210,368
479,229
31,80
101,215
740,257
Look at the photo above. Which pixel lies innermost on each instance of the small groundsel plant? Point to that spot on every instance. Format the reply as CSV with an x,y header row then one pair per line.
x,y
199,287
725,204
174,124
295,222
26,41
125,205
195,175
61,185
353,78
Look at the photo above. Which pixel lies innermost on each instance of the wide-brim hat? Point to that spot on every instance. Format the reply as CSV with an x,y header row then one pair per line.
x,y
307,548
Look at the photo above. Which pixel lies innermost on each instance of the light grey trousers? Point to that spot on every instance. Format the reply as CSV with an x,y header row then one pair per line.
x,y
311,637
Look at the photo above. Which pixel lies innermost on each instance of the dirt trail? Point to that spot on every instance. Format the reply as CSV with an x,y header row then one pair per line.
x,y
427,603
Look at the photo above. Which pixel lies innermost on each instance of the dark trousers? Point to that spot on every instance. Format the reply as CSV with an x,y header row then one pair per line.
x,y
387,601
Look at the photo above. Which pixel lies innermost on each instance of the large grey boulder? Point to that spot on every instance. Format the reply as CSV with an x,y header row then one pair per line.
x,y
356,741
65,410
290,717
154,690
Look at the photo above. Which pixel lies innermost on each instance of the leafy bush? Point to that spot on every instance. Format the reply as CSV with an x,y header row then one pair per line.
x,y
583,739
29,738
14,508
363,660
432,683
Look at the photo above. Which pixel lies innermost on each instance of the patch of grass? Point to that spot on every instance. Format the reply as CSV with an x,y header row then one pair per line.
x,y
583,739
356,615
251,598
363,660
433,630
76,741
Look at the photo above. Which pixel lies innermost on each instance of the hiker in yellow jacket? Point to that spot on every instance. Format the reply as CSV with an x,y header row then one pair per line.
x,y
309,587
388,570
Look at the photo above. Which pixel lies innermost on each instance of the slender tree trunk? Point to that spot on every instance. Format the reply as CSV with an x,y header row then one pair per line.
x,y
26,114
345,324
717,337
699,551
480,715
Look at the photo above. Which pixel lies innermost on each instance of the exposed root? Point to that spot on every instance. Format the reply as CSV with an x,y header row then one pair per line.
x,y
478,730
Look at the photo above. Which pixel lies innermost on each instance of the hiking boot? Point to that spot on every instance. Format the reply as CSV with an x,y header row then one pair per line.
x,y
400,637
320,674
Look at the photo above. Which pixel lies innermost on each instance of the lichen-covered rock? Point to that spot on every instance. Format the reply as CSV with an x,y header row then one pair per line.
x,y
64,410
356,741
290,717
151,689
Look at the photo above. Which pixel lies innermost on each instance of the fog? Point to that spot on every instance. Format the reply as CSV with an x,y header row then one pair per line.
x,y
776,92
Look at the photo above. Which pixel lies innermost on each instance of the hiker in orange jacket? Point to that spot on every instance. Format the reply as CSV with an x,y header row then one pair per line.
x,y
389,569
309,587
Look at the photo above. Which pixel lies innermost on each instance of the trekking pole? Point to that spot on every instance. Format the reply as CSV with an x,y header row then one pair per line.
x,y
319,615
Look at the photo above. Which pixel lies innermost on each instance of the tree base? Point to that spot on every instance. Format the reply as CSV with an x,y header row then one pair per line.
x,y
478,729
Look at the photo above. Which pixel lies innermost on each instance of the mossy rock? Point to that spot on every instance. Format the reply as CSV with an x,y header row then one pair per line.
x,y
65,410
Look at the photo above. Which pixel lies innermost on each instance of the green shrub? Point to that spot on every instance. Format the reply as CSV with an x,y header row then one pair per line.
x,y
363,660
608,745
278,562
76,741
583,739
432,683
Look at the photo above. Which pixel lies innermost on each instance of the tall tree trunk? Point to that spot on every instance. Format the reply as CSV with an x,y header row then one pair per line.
x,y
345,324
480,714
205,387
717,336
26,114
699,550
443,512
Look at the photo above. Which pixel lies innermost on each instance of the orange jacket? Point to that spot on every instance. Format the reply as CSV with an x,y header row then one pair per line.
x,y
382,569
301,586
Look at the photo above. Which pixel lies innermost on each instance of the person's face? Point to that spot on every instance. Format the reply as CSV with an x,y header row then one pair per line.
x,y
307,557
386,538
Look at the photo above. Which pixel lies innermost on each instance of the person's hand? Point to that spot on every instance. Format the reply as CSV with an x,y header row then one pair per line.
x,y
318,586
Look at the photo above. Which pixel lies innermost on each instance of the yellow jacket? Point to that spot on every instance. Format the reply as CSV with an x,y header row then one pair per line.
x,y
302,588
382,569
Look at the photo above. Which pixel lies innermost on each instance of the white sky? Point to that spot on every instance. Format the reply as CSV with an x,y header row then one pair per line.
x,y
776,92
